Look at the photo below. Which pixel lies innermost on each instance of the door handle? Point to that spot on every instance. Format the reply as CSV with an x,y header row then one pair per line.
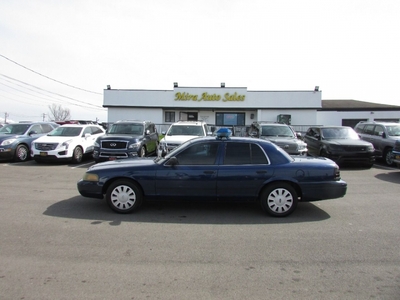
x,y
209,172
261,172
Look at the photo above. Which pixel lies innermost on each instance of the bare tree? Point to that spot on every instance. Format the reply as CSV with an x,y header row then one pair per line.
x,y
58,113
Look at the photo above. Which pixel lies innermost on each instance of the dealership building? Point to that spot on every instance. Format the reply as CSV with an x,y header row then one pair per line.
x,y
239,107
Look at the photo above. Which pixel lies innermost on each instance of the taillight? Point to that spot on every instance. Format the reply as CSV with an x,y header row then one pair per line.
x,y
336,174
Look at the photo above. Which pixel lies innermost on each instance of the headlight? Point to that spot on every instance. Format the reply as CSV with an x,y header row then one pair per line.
x,y
302,146
7,142
134,146
370,148
96,144
335,147
66,144
90,177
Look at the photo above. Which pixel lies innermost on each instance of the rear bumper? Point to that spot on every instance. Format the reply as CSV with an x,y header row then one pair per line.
x,y
323,190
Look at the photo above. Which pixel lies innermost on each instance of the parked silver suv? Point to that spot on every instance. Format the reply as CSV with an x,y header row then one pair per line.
x,y
179,133
383,135
280,134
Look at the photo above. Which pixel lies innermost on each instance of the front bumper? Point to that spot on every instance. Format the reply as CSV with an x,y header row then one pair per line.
x,y
107,154
60,154
7,153
90,189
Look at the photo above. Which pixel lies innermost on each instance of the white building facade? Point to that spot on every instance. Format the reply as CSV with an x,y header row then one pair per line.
x,y
237,106
217,106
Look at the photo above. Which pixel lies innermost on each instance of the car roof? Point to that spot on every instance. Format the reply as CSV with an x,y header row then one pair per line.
x,y
189,123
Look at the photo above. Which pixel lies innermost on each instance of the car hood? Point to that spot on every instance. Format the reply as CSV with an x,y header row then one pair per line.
x,y
114,137
121,163
54,139
10,136
348,142
178,139
281,140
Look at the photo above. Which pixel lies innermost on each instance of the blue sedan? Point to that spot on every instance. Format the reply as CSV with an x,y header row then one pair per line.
x,y
216,168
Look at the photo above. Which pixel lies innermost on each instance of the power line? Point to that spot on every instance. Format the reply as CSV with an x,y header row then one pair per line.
x,y
71,86
40,89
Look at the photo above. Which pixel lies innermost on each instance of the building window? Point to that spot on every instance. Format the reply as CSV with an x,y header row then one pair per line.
x,y
230,119
352,122
170,116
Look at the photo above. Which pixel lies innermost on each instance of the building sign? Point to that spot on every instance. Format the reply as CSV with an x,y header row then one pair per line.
x,y
209,97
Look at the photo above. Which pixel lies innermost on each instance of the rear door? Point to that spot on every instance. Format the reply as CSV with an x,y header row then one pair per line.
x,y
243,171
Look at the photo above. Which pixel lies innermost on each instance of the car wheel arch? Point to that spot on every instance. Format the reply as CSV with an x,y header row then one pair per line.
x,y
295,185
109,182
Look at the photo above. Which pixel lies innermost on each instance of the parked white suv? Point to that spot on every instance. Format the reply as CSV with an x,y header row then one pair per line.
x,y
179,133
68,142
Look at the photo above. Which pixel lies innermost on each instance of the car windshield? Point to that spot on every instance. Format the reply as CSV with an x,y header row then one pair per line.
x,y
282,131
14,128
135,129
393,130
340,133
185,130
66,131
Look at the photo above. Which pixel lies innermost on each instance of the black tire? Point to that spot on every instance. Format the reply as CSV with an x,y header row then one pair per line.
x,y
77,155
21,153
124,196
142,151
279,199
368,165
387,156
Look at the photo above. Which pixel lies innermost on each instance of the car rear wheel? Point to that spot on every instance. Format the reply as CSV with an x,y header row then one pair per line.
x,y
21,153
77,155
123,196
279,199
388,157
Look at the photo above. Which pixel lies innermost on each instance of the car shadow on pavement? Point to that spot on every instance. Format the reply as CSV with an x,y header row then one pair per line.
x,y
97,211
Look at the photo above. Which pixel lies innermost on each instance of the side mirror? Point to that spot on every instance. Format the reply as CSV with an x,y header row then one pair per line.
x,y
298,135
87,135
173,161
32,132
147,132
384,135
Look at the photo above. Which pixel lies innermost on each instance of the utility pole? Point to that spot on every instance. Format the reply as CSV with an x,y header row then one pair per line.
x,y
5,117
43,115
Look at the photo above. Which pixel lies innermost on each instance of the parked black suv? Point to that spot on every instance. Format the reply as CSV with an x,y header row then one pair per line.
x,y
339,143
383,135
126,139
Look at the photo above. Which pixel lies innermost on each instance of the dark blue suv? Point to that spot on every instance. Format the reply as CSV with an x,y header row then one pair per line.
x,y
16,139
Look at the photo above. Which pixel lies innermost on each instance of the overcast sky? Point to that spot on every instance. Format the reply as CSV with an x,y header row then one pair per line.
x,y
67,52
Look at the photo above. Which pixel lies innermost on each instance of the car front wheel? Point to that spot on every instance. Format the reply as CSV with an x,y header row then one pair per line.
x,y
77,155
123,196
21,153
142,151
279,199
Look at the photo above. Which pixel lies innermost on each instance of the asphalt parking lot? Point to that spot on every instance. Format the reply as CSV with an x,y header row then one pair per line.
x,y
56,244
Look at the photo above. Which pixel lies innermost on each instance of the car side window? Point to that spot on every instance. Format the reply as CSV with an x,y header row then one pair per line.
x,y
378,130
199,154
244,153
87,130
37,129
46,128
96,130
369,129
359,128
